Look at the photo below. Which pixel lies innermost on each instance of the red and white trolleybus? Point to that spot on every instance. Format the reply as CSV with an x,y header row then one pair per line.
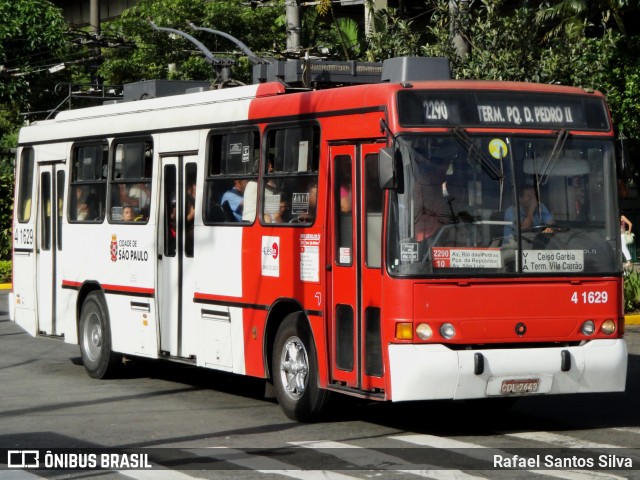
x,y
418,238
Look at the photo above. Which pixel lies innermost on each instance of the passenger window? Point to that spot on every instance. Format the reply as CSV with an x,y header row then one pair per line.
x,y
343,209
130,198
232,174
373,198
290,186
26,184
88,189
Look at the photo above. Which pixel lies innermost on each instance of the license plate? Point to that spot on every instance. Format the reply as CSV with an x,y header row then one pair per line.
x,y
520,386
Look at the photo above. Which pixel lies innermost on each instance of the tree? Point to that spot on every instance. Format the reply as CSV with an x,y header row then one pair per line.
x,y
32,40
392,36
573,16
158,55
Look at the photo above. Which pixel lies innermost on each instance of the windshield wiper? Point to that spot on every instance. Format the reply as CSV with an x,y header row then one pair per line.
x,y
550,164
476,154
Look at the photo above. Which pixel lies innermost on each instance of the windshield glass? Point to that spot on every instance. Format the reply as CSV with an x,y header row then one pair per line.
x,y
486,205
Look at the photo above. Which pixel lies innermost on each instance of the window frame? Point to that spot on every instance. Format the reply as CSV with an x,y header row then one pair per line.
x,y
139,217
74,183
215,175
279,178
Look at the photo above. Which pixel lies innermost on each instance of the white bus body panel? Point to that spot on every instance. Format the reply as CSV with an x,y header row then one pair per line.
x,y
219,269
429,372
135,326
204,108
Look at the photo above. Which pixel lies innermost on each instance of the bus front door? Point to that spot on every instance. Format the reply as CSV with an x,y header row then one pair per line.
x,y
175,283
48,245
355,322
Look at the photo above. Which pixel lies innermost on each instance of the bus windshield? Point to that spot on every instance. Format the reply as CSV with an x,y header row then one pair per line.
x,y
494,205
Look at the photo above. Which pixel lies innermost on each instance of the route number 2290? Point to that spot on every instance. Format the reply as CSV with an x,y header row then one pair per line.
x,y
590,297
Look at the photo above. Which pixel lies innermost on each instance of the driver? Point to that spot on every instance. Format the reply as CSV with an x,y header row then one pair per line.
x,y
532,213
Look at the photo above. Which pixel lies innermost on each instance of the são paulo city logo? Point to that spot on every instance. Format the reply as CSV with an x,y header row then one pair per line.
x,y
127,249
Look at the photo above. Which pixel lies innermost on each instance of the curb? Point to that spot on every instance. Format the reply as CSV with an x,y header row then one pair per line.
x,y
5,286
632,319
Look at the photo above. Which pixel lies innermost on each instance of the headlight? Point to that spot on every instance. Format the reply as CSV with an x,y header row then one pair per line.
x,y
447,330
424,331
608,327
588,327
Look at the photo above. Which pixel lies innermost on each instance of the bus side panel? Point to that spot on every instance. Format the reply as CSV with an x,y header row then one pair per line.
x,y
24,258
24,291
121,258
218,297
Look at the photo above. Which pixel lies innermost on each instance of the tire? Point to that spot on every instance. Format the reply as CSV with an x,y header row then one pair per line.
x,y
295,370
95,338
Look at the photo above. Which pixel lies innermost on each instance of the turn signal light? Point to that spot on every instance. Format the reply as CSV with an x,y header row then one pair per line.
x,y
404,331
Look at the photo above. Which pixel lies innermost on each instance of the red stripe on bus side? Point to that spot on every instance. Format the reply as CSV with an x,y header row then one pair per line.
x,y
112,288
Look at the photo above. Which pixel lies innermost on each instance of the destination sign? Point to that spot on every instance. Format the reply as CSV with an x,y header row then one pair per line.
x,y
501,109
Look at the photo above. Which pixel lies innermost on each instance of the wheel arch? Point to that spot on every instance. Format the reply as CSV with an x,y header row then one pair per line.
x,y
278,311
84,291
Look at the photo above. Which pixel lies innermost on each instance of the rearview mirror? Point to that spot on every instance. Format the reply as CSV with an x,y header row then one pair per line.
x,y
390,169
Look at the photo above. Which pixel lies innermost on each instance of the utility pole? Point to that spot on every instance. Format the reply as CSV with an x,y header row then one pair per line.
x,y
370,7
94,20
294,26
457,11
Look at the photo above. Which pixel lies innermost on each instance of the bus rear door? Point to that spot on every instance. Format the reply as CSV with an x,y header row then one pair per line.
x,y
178,333
48,245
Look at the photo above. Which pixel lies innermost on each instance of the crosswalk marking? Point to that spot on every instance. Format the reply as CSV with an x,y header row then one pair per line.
x,y
376,460
17,475
560,440
627,430
262,464
473,452
371,459
155,475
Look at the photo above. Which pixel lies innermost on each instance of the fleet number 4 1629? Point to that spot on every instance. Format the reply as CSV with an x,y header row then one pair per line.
x,y
590,297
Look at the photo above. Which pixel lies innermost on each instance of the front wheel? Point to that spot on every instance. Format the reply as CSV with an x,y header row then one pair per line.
x,y
295,370
95,338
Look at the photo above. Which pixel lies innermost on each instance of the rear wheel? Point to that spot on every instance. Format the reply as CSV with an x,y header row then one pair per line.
x,y
95,338
295,370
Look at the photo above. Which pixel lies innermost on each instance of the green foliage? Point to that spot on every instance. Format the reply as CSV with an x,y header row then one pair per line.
x,y
32,35
393,36
6,212
330,36
632,291
152,52
5,271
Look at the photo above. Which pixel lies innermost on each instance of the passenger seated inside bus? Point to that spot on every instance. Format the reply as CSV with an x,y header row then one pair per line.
x,y
233,200
86,206
127,214
137,195
276,208
303,206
